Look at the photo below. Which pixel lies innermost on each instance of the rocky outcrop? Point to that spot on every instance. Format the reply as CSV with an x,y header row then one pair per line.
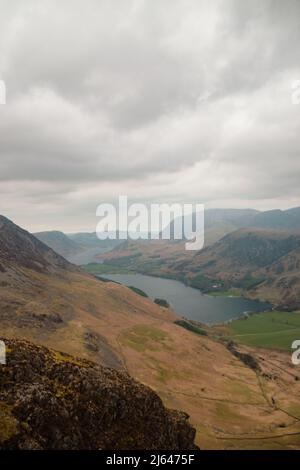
x,y
246,358
50,400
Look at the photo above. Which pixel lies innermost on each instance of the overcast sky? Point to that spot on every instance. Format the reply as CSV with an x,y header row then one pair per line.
x,y
162,100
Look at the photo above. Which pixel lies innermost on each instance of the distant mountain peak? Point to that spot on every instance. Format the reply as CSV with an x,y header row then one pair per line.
x,y
59,242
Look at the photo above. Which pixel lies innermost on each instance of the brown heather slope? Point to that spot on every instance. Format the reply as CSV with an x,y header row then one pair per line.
x,y
230,404
50,400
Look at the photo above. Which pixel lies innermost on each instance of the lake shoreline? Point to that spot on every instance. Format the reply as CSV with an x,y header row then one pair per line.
x,y
212,293
190,302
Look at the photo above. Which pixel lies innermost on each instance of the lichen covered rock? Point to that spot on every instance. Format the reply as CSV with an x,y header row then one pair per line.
x,y
50,400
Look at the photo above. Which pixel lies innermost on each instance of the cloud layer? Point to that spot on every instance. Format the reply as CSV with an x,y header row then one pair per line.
x,y
176,100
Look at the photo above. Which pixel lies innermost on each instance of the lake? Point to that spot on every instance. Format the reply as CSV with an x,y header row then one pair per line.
x,y
190,302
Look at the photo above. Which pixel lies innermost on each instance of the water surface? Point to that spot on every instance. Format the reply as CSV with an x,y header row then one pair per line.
x,y
190,302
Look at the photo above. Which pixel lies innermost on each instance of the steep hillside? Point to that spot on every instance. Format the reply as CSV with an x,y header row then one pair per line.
x,y
282,284
247,249
265,263
59,242
49,400
19,249
45,298
229,403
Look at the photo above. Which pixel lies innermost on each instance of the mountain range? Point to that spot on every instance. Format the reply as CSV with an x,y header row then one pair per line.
x,y
260,255
220,222
78,248
232,402
83,248
262,264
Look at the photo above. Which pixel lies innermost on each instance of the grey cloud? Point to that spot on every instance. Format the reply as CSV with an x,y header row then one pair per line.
x,y
148,95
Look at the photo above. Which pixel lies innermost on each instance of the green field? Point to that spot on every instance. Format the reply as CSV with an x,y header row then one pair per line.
x,y
269,330
102,268
226,293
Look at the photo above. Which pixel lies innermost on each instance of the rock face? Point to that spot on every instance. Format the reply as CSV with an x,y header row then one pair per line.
x,y
50,400
246,358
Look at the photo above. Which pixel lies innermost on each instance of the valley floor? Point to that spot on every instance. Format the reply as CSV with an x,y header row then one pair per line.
x,y
231,405
275,330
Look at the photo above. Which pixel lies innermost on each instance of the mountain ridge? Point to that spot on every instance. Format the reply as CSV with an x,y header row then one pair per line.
x,y
70,311
19,248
